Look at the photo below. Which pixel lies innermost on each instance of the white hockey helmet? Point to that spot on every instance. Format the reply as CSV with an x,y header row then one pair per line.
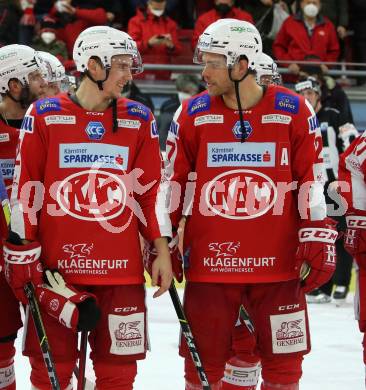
x,y
17,62
105,42
55,69
267,67
310,83
232,38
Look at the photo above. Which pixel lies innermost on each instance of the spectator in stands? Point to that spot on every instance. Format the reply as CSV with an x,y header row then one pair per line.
x,y
46,40
9,18
222,9
33,12
268,17
307,36
156,36
132,91
358,17
187,85
337,12
74,16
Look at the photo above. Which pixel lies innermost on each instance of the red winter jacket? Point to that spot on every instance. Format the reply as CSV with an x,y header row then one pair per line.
x,y
211,16
294,43
84,18
143,26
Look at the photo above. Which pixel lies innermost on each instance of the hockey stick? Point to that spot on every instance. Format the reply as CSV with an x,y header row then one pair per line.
x,y
187,333
42,337
33,304
82,360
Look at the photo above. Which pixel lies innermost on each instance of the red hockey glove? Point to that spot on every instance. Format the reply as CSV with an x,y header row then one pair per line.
x,y
149,255
74,309
355,238
316,250
22,265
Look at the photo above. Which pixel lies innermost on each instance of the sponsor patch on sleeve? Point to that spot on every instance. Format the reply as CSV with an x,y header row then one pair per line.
x,y
289,332
154,129
60,120
129,123
199,104
313,124
27,124
286,102
203,119
174,129
47,105
276,118
4,137
139,110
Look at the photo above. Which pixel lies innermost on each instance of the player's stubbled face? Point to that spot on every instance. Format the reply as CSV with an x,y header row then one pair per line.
x,y
37,85
215,74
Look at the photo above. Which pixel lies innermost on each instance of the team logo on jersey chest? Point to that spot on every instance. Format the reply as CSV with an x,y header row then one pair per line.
x,y
95,131
237,130
240,194
93,195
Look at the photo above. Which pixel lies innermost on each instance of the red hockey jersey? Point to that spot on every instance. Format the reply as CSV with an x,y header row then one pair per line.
x,y
8,143
352,174
85,192
244,200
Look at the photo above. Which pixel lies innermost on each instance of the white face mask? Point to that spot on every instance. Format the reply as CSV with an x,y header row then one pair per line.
x,y
311,10
157,12
48,37
183,96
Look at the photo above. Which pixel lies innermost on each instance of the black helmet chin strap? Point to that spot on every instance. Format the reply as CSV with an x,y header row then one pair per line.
x,y
114,101
98,82
244,134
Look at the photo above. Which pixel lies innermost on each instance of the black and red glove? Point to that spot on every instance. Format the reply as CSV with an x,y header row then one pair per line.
x,y
355,238
150,254
74,309
22,265
316,252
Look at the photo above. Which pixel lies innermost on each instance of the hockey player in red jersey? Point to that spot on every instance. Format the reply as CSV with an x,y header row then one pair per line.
x,y
86,181
352,179
21,83
248,159
55,73
243,369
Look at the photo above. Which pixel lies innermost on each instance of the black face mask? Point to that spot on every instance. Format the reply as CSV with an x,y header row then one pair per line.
x,y
223,9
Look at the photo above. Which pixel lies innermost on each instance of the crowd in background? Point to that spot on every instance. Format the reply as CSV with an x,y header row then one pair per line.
x,y
167,31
